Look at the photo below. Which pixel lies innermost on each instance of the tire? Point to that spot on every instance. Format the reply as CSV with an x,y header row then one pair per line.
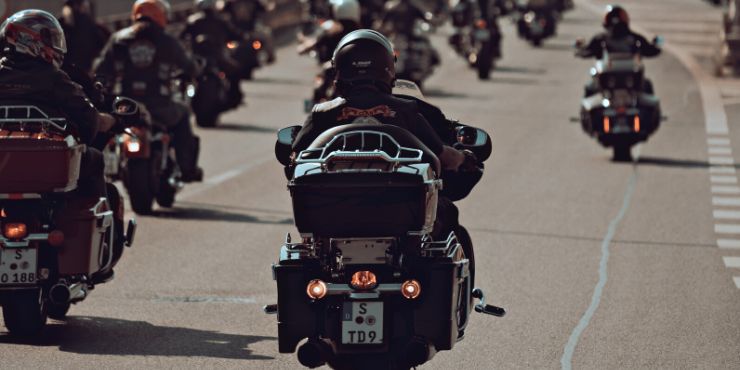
x,y
25,313
206,119
166,194
622,153
485,61
536,42
58,311
139,185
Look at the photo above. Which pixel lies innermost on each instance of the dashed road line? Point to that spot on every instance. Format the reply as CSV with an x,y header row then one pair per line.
x,y
725,189
721,170
723,179
725,201
720,150
726,214
721,161
731,262
727,229
728,243
737,281
718,141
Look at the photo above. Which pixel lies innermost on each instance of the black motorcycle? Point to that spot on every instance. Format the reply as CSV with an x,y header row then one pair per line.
x,y
535,25
619,108
364,289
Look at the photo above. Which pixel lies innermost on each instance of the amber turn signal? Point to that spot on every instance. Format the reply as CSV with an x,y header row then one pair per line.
x,y
364,280
56,238
257,45
411,289
316,289
15,230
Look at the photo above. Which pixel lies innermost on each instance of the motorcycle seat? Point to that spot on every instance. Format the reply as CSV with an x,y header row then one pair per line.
x,y
401,135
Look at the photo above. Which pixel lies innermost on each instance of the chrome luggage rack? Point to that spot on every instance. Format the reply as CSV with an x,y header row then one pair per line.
x,y
29,115
346,147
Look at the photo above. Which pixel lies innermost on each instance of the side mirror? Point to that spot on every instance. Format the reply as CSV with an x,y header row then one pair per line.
x,y
658,41
125,106
284,144
474,139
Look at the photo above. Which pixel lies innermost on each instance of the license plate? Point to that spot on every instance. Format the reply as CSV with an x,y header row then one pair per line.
x,y
621,126
18,266
482,35
362,323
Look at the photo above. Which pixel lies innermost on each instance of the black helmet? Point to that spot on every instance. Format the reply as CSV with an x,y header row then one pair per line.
x,y
35,33
616,17
365,55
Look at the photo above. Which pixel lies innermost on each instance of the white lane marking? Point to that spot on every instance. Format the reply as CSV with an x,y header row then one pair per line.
x,y
728,243
726,229
737,281
727,161
732,262
723,179
211,182
725,201
566,362
725,189
718,141
720,150
721,169
724,214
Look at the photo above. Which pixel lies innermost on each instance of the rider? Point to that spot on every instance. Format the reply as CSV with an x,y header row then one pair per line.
x,y
143,59
364,63
346,14
207,22
84,36
246,15
619,38
30,72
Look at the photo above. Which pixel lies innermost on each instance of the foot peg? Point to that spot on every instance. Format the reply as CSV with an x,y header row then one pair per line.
x,y
270,309
487,309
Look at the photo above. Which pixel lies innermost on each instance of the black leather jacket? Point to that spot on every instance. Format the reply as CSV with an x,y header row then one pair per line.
x,y
367,101
144,59
630,42
29,81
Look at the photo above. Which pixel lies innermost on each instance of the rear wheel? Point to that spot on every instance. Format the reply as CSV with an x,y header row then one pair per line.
x,y
139,185
536,42
622,153
25,313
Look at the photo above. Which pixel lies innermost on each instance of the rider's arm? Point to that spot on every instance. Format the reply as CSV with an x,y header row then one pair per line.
x,y
593,49
450,158
177,55
647,48
72,100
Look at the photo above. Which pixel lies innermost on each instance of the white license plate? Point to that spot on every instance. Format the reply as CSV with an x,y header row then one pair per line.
x,y
18,266
482,35
362,323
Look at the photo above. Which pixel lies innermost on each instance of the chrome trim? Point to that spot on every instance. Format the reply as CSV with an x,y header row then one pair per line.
x,y
44,121
325,157
345,289
35,237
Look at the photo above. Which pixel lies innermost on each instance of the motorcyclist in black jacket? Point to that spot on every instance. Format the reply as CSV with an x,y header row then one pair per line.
x,y
345,19
84,36
209,24
247,15
364,63
143,60
33,50
619,38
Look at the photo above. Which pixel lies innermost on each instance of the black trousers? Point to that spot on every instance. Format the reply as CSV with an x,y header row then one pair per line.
x,y
92,174
176,117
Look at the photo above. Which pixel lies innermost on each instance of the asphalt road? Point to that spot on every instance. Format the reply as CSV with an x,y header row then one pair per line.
x,y
600,265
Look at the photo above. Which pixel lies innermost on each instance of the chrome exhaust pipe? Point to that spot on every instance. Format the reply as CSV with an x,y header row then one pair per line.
x,y
63,293
314,354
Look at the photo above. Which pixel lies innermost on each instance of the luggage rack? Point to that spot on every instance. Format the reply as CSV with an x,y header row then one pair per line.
x,y
23,115
371,146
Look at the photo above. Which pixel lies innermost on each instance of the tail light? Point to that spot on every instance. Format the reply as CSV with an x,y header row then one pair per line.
x,y
133,145
607,125
364,280
481,23
316,289
232,45
636,124
56,238
15,230
257,45
411,289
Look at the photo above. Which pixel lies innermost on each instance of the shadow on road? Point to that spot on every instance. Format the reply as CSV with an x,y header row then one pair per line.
x,y
281,80
104,336
556,47
441,94
244,128
513,81
523,70
589,238
671,162
214,214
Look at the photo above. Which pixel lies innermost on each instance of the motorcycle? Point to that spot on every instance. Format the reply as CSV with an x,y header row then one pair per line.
x,y
250,54
369,291
211,95
476,40
536,24
55,245
620,109
416,57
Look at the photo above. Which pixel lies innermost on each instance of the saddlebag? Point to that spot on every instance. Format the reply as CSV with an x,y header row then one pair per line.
x,y
85,223
38,163
363,204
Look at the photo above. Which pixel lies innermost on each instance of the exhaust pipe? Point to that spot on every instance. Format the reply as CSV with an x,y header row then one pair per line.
x,y
63,293
313,354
